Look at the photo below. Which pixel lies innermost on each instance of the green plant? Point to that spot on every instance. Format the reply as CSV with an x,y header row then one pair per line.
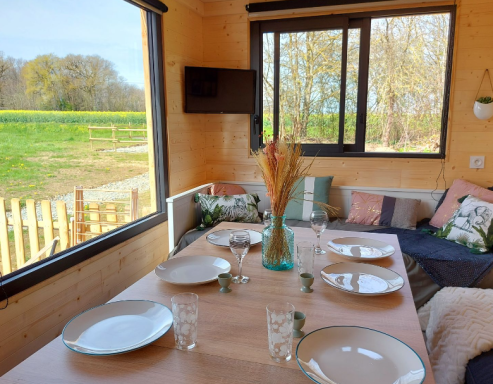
x,y
485,100
444,232
487,237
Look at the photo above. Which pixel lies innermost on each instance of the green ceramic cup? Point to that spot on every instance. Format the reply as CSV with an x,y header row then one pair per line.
x,y
299,322
224,280
306,280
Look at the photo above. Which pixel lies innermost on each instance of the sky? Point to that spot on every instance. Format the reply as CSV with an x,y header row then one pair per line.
x,y
108,28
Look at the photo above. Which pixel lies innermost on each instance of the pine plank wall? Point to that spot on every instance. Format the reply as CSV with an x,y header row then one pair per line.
x,y
206,148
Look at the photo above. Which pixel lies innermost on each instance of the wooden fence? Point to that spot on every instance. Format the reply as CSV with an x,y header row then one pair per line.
x,y
91,219
94,217
130,138
33,225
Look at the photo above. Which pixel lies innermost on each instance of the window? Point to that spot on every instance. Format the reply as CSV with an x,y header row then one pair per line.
x,y
83,160
373,84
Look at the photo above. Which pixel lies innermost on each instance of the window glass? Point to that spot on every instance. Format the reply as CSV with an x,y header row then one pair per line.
x,y
310,85
398,70
74,138
408,58
268,84
350,119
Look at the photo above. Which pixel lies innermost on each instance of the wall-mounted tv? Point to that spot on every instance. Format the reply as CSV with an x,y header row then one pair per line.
x,y
217,90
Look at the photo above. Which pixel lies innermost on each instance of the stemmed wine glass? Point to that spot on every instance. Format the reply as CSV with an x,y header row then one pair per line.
x,y
239,243
319,220
267,217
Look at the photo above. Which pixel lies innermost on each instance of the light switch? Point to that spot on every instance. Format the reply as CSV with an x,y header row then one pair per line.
x,y
476,162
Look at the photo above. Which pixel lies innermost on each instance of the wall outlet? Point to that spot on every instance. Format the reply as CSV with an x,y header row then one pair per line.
x,y
476,162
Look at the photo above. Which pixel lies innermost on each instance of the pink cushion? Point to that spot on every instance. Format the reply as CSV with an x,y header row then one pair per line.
x,y
459,188
365,209
227,189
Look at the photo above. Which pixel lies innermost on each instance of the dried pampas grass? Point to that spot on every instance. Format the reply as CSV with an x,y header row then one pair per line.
x,y
283,168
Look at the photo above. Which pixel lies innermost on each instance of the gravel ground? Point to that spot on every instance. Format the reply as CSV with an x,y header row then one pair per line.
x,y
141,182
134,149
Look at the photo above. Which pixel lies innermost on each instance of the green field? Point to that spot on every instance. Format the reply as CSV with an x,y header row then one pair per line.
x,y
106,118
42,159
422,130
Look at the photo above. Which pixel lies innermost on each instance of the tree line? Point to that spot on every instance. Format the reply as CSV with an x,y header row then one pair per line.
x,y
408,57
70,83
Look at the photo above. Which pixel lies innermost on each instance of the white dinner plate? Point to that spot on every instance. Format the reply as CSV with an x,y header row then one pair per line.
x,y
362,279
356,355
360,248
117,327
221,238
192,270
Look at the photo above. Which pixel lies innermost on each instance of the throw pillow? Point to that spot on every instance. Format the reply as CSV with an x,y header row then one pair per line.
x,y
471,225
458,189
236,208
370,209
311,189
227,189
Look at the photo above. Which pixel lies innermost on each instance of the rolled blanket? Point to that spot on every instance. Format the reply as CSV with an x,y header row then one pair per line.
x,y
459,326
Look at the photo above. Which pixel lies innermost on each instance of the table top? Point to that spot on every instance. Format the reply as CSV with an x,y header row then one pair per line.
x,y
232,328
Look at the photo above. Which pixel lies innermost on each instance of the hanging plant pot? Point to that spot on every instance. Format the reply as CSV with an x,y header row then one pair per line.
x,y
483,107
483,111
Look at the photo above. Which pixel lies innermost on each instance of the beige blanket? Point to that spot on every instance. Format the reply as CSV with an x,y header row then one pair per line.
x,y
459,326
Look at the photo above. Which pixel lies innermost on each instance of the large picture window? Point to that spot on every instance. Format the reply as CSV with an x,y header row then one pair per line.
x,y
373,84
83,158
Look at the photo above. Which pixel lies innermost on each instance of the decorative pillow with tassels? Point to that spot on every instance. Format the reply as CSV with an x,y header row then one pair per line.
x,y
471,225
234,208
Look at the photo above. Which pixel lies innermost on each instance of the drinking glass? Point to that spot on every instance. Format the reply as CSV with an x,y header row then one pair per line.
x,y
267,217
306,257
319,220
280,319
239,243
185,308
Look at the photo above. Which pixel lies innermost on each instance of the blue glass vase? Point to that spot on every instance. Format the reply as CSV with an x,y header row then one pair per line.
x,y
278,245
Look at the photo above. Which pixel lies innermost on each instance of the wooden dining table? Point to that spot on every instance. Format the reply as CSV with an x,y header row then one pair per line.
x,y
232,328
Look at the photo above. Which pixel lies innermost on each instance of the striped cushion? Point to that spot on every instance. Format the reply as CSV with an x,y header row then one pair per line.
x,y
311,188
370,209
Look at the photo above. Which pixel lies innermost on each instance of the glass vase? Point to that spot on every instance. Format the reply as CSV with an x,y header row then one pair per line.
x,y
278,245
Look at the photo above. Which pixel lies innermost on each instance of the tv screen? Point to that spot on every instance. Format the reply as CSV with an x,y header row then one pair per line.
x,y
216,90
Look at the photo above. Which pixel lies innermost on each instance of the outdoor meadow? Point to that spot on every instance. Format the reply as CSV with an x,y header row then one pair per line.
x,y
65,122
47,153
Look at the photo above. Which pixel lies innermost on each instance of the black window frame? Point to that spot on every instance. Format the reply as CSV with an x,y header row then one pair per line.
x,y
354,20
24,278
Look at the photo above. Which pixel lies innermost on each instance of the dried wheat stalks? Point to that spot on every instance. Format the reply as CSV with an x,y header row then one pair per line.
x,y
282,166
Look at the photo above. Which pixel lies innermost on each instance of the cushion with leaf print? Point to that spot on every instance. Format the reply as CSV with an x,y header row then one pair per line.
x,y
470,225
233,208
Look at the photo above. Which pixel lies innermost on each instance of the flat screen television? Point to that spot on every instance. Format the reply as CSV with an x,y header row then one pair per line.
x,y
217,90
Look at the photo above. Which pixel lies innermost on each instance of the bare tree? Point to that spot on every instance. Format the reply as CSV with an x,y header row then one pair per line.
x,y
6,65
406,82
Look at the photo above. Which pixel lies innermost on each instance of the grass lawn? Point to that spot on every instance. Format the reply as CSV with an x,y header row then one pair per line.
x,y
41,160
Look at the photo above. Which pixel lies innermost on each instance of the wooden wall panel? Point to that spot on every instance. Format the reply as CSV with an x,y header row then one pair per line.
x,y
226,24
183,47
